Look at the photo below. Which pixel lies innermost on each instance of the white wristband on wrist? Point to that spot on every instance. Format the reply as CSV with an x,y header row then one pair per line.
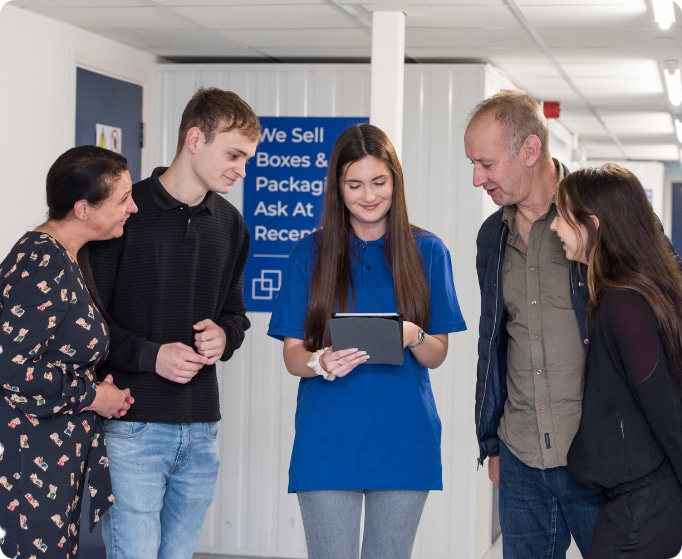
x,y
314,364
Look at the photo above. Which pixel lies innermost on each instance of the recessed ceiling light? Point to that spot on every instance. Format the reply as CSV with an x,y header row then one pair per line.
x,y
664,14
673,81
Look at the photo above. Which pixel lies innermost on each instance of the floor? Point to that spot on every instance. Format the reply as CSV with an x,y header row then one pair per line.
x,y
202,556
494,553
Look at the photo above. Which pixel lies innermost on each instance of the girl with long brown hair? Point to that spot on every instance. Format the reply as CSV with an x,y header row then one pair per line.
x,y
629,442
374,433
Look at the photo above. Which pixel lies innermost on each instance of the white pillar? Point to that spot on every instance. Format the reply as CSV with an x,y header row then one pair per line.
x,y
388,73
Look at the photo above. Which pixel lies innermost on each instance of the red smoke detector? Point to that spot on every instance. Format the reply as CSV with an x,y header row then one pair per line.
x,y
551,109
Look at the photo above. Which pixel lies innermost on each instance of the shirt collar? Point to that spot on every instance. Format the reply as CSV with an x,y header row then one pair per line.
x,y
165,201
356,241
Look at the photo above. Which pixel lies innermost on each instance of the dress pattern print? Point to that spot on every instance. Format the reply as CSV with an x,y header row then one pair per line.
x,y
51,336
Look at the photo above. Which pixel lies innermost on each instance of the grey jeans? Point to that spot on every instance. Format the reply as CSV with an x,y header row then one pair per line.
x,y
331,520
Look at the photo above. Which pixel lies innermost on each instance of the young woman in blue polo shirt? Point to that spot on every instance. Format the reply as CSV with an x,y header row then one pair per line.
x,y
365,431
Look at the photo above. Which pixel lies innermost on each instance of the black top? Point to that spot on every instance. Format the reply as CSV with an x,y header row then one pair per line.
x,y
174,266
631,428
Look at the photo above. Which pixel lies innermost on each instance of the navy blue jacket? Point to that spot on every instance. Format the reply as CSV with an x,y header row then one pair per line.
x,y
491,383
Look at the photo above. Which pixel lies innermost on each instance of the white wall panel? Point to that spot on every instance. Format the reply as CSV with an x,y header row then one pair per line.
x,y
252,513
651,174
38,60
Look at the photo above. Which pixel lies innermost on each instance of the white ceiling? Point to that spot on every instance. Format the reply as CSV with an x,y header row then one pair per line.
x,y
601,59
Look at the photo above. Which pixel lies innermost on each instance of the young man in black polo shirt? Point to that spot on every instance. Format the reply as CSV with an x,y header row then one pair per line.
x,y
172,286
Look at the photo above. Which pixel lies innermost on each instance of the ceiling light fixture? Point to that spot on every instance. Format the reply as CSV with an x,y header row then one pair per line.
x,y
678,129
664,13
673,81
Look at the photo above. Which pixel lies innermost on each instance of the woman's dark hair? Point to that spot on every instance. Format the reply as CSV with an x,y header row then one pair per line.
x,y
81,173
332,275
628,250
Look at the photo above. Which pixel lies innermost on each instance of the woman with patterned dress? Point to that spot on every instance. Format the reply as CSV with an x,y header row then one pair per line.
x,y
52,336
365,432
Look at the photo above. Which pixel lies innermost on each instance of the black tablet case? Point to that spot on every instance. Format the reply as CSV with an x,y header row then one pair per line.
x,y
379,334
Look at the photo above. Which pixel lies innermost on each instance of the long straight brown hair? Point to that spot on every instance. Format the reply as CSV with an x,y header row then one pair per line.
x,y
332,276
628,250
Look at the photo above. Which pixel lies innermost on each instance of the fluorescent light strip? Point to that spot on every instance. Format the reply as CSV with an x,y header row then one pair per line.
x,y
664,14
673,82
678,129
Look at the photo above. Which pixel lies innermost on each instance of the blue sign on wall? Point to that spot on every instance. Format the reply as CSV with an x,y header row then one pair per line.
x,y
283,196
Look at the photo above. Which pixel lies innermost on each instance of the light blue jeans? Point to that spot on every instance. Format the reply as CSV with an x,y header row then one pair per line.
x,y
163,477
331,520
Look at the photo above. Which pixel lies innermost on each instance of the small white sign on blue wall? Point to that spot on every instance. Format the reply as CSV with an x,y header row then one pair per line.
x,y
283,196
108,137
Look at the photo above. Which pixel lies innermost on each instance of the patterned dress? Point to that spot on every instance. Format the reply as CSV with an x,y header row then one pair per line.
x,y
51,337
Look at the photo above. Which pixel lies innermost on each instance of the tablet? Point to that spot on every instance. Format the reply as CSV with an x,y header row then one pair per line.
x,y
379,334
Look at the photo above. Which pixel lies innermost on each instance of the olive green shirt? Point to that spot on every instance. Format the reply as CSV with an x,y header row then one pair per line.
x,y
545,351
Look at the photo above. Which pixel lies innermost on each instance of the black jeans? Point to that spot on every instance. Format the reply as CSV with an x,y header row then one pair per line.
x,y
640,524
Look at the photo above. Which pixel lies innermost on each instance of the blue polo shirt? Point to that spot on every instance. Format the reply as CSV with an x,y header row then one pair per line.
x,y
377,427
